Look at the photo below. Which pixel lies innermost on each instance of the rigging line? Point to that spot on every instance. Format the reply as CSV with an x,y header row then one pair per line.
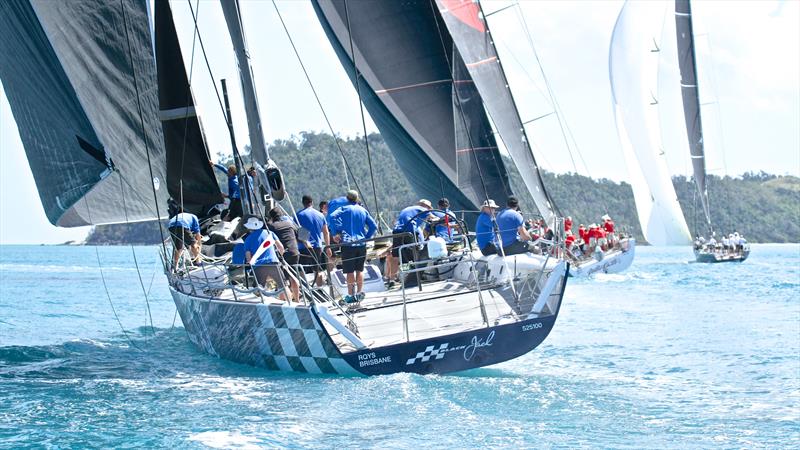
x,y
105,286
149,166
136,261
141,120
524,24
208,65
551,203
195,33
361,106
462,116
319,102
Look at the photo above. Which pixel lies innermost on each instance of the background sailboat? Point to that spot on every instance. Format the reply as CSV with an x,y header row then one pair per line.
x,y
633,70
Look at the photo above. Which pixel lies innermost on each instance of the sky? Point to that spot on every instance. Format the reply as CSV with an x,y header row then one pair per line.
x,y
753,96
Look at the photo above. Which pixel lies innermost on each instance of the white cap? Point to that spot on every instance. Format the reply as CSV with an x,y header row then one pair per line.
x,y
254,223
489,203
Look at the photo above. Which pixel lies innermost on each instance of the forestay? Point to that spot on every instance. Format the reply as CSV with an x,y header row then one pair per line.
x,y
633,71
81,82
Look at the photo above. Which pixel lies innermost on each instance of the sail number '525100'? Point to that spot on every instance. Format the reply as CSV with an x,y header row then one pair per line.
x,y
532,326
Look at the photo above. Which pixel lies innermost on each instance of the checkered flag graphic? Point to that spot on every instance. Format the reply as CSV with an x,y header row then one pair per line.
x,y
428,353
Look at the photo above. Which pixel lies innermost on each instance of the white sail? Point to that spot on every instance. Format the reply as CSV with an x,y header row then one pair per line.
x,y
633,70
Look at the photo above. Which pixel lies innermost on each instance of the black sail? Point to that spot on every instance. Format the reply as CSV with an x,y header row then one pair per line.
x,y
80,79
691,99
477,156
190,177
404,58
471,36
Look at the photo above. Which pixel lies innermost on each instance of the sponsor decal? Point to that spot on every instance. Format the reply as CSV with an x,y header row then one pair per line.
x,y
439,352
371,359
477,343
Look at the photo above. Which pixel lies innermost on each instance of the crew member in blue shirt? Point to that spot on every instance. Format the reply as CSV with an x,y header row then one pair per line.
x,y
408,229
311,256
234,194
349,222
484,229
261,249
513,235
185,231
333,206
442,229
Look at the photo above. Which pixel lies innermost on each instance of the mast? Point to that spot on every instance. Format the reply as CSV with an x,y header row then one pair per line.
x,y
259,152
691,100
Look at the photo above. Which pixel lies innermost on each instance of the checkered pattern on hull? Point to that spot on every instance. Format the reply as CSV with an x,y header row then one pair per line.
x,y
277,337
292,340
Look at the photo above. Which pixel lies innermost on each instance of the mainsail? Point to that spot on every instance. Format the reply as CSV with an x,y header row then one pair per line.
x,y
471,36
438,131
633,71
80,79
691,99
190,178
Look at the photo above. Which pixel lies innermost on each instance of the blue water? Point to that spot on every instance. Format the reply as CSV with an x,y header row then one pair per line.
x,y
667,355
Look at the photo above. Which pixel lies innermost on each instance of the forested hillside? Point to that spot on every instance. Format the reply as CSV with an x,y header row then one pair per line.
x,y
765,208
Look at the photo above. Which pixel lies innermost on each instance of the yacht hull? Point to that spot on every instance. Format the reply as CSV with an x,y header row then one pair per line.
x,y
704,257
615,262
293,339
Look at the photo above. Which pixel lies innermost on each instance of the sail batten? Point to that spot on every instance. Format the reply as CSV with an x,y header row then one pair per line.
x,y
79,78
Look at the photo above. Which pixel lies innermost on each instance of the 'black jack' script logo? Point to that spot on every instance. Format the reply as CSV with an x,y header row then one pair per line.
x,y
477,343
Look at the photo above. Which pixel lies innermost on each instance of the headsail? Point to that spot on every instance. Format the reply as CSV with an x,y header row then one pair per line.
x,y
471,36
633,71
691,99
190,178
80,80
405,66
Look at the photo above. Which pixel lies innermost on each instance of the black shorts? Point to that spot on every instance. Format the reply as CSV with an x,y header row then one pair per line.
x,y
489,249
235,209
313,260
291,258
266,272
353,258
403,239
181,236
515,248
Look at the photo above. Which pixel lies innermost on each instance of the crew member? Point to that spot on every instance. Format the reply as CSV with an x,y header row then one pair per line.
x,y
235,196
261,248
513,234
311,253
349,222
407,230
286,230
444,226
567,225
185,231
484,229
608,226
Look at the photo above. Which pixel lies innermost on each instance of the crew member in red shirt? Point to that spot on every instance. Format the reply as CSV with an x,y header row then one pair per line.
x,y
601,238
608,225
567,224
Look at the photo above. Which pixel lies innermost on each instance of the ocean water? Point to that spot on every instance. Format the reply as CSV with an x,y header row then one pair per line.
x,y
667,355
